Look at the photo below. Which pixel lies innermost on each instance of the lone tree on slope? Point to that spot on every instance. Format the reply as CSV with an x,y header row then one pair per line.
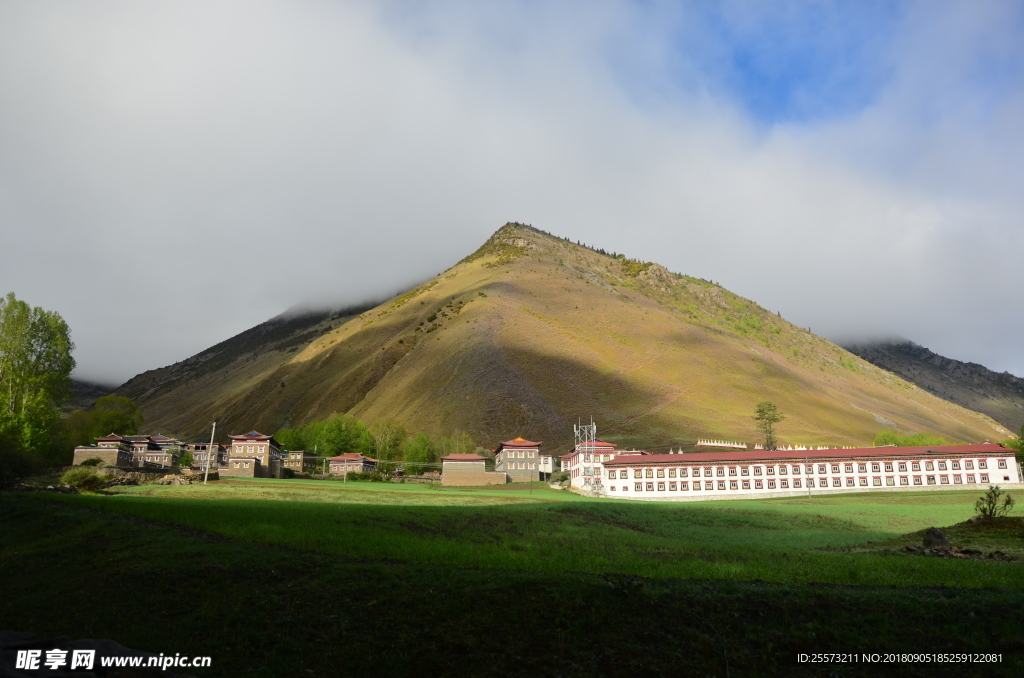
x,y
766,416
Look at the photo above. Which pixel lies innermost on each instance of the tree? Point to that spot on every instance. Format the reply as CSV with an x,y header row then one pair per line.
x,y
989,506
416,453
388,437
185,459
766,416
115,414
35,377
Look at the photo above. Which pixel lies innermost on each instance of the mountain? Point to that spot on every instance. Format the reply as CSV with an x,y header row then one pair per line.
x,y
84,394
532,332
999,395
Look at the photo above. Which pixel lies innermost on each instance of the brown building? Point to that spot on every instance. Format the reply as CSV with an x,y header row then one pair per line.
x,y
200,450
131,451
253,455
469,469
300,461
520,459
351,463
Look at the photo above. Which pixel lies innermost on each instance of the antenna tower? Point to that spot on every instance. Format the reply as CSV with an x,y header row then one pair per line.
x,y
586,442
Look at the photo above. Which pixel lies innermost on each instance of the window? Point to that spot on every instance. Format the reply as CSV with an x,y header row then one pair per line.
x,y
903,466
917,480
849,468
930,480
1002,463
944,480
661,473
928,466
850,482
982,463
874,468
836,482
888,467
835,469
533,465
671,487
746,484
650,487
969,465
661,487
708,485
612,475
862,468
685,472
671,473
957,480
984,477
721,484
684,488
942,466
809,470
721,471
638,487
916,466
904,480
744,471
707,473
890,481
771,470
863,482
732,470
637,473
757,484
822,482
955,465
732,485
650,473
876,481
970,477
821,469
796,483
757,470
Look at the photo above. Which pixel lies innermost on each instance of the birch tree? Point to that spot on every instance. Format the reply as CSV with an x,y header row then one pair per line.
x,y
35,373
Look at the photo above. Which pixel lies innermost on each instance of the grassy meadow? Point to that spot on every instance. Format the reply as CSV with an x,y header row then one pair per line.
x,y
310,578
792,541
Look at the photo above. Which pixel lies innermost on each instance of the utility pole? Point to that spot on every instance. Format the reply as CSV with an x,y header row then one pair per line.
x,y
210,449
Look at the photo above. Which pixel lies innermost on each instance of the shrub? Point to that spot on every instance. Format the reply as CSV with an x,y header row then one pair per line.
x,y
989,506
95,461
84,478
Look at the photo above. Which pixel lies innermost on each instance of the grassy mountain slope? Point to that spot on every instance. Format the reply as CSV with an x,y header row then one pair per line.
x,y
999,395
530,332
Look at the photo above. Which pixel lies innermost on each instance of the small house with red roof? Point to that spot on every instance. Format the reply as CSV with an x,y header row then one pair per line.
x,y
469,470
521,460
352,462
584,464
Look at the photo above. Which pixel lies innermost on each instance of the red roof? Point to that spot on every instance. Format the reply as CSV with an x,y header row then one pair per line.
x,y
351,456
463,457
520,442
810,455
252,435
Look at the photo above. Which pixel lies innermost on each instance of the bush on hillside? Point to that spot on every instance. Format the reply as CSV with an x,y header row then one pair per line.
x,y
890,437
95,461
84,478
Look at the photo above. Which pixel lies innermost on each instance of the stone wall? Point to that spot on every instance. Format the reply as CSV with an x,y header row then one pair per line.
x,y
473,478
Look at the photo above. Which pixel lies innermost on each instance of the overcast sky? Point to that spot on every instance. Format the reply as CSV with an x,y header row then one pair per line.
x,y
172,173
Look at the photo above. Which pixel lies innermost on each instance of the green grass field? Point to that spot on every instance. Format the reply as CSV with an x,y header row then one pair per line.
x,y
788,541
301,578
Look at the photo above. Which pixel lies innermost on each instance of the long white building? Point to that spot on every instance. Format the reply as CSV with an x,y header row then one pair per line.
x,y
760,473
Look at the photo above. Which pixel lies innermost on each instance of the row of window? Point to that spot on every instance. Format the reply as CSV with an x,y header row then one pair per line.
x,y
511,466
784,484
809,470
520,454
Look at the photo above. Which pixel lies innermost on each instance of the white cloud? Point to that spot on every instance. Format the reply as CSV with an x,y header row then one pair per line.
x,y
173,173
